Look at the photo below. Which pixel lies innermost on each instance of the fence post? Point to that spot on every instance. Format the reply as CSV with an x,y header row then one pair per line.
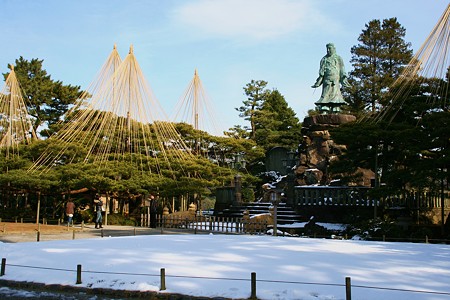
x,y
73,234
163,279
101,233
38,236
134,231
348,289
426,239
2,271
78,274
253,286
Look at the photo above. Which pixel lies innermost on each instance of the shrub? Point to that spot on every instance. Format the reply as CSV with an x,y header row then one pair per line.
x,y
118,219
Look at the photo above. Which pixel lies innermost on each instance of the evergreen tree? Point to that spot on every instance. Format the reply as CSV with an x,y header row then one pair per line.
x,y
46,100
272,121
255,92
276,123
409,151
377,61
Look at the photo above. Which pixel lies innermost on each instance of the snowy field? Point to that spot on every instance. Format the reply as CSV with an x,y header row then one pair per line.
x,y
221,266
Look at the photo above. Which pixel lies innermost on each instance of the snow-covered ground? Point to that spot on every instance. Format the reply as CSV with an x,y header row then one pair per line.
x,y
221,265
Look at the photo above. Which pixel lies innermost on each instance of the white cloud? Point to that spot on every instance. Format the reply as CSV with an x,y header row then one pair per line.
x,y
251,19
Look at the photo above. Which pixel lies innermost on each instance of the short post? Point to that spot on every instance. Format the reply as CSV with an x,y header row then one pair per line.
x,y
163,280
73,234
426,239
82,225
253,286
134,230
348,289
38,236
78,274
59,221
101,232
275,199
2,271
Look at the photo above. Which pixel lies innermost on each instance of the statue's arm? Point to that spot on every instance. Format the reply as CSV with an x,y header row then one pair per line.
x,y
318,82
344,81
342,75
321,73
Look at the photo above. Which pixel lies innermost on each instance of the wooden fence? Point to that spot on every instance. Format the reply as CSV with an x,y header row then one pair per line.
x,y
358,196
208,223
418,200
331,196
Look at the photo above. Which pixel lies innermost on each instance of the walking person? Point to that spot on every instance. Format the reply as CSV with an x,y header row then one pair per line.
x,y
153,211
70,210
98,208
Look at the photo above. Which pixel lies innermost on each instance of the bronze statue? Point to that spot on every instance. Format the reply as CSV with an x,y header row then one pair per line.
x,y
331,77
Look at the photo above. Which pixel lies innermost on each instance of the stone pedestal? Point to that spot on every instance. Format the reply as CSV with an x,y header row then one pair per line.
x,y
318,149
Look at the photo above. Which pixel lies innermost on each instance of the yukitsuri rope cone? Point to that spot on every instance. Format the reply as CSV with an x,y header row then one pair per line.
x,y
118,119
15,123
428,69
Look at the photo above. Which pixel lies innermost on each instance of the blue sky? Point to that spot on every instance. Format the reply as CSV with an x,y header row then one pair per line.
x,y
229,42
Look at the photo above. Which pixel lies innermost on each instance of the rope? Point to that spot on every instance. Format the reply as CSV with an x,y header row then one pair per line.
x,y
241,279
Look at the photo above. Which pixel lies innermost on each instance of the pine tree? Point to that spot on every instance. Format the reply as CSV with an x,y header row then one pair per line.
x,y
272,121
377,61
276,123
255,92
47,100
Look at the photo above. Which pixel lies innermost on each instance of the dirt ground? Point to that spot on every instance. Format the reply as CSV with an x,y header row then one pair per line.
x,y
14,228
31,232
28,232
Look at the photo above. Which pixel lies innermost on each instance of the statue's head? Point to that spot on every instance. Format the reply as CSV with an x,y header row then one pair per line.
x,y
331,49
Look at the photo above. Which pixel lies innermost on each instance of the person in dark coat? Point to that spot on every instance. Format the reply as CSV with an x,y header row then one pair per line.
x,y
153,211
70,210
98,208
